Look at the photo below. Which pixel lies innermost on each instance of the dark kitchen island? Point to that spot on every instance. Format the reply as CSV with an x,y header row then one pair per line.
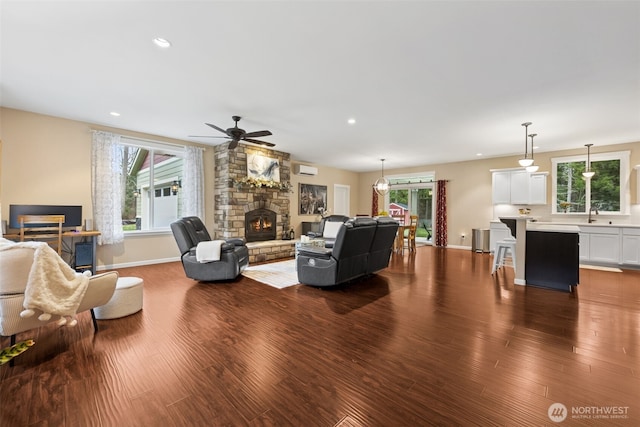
x,y
552,256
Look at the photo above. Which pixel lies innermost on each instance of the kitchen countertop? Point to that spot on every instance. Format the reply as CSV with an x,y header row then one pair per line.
x,y
558,228
577,224
593,224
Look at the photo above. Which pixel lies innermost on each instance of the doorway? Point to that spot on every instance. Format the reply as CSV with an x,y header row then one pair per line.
x,y
341,196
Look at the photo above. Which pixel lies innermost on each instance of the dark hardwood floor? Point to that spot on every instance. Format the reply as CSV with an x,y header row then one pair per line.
x,y
432,340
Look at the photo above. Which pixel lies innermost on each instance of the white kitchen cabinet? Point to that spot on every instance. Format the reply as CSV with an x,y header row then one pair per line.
x,y
518,187
584,246
600,244
637,168
630,246
501,185
538,189
604,248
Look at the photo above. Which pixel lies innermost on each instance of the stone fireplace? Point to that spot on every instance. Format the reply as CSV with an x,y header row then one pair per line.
x,y
260,225
233,201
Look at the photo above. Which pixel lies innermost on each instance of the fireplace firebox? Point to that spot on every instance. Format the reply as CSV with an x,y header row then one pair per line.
x,y
259,225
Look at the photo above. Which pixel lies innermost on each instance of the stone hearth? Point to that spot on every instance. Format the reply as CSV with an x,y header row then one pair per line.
x,y
270,250
232,202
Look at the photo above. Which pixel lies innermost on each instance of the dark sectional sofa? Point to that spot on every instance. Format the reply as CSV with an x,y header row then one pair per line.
x,y
363,246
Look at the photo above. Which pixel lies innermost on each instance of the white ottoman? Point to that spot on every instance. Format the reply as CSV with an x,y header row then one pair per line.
x,y
126,300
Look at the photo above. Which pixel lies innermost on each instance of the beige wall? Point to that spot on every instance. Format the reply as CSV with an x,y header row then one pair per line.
x,y
47,160
326,176
1,180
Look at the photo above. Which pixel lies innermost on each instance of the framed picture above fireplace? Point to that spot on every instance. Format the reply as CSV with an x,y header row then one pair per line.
x,y
262,167
312,199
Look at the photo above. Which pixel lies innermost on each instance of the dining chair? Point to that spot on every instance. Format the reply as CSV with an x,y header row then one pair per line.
x,y
47,228
411,235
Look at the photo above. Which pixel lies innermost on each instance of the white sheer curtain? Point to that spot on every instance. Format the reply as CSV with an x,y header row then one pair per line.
x,y
193,182
106,187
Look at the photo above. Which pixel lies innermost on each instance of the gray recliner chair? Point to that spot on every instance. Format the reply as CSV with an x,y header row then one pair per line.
x,y
234,254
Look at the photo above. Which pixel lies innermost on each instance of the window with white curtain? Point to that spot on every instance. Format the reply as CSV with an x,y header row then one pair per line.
x,y
153,185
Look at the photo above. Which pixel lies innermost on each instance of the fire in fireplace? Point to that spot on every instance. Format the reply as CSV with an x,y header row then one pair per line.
x,y
259,225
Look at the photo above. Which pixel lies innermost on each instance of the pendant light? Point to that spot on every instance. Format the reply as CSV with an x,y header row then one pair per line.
x,y
525,161
588,173
382,184
532,168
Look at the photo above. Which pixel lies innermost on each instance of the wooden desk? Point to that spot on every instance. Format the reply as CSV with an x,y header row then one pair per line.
x,y
16,237
72,235
81,233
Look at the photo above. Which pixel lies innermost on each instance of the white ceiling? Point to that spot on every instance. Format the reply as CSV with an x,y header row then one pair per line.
x,y
427,81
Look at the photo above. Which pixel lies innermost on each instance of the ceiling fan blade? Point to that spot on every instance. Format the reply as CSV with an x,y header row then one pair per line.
x,y
233,144
206,136
255,141
216,127
258,134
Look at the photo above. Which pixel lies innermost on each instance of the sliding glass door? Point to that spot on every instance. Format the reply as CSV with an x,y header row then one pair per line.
x,y
409,199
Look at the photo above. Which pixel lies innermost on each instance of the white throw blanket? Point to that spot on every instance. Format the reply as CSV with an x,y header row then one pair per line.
x,y
209,251
52,286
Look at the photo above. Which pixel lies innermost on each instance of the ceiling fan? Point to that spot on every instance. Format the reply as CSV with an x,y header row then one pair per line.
x,y
235,134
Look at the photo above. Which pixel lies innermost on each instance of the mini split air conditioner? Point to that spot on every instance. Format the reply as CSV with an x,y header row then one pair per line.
x,y
305,170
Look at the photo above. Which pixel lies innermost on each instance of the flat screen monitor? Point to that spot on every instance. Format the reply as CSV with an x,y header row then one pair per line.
x,y
72,214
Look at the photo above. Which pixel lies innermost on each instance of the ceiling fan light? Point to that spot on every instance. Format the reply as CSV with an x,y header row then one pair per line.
x,y
524,162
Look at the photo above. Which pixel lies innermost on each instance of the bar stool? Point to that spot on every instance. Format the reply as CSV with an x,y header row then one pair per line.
x,y
504,247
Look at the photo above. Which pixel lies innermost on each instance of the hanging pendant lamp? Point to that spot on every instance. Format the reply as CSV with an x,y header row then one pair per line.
x,y
526,161
532,168
588,173
382,184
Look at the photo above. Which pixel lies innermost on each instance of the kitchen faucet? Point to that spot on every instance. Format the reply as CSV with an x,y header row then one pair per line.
x,y
592,209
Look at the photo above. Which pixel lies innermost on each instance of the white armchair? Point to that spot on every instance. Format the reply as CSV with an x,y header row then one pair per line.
x,y
15,265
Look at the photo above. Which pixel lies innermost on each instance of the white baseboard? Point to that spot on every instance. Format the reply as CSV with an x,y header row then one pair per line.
x,y
136,263
468,248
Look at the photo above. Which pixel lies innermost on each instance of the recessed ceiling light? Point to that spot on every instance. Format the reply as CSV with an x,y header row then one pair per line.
x,y
351,121
115,114
478,154
163,43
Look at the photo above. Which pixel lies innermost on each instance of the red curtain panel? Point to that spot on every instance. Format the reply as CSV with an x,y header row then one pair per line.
x,y
441,213
374,203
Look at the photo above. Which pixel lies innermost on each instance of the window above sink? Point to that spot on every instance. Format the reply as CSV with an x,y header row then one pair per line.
x,y
607,192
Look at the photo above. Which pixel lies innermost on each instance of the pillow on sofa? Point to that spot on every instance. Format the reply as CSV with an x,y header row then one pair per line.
x,y
331,229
